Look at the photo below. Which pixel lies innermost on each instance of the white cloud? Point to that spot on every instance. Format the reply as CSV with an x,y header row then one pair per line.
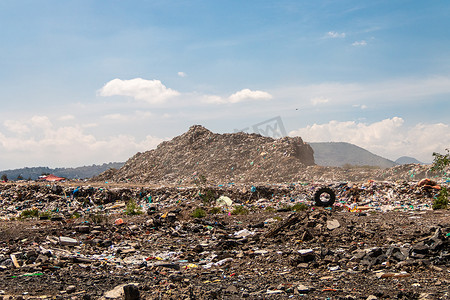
x,y
319,100
68,146
182,74
240,96
89,125
247,94
150,91
389,138
137,115
66,118
16,126
143,114
359,43
42,122
214,99
334,35
361,106
116,117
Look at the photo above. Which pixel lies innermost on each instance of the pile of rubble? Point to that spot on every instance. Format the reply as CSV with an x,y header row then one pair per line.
x,y
243,158
66,201
410,172
262,250
236,157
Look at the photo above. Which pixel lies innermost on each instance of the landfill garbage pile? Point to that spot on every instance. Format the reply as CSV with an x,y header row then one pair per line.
x,y
240,157
65,200
380,240
410,172
235,157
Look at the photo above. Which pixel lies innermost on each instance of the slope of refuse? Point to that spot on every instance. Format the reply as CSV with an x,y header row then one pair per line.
x,y
381,240
199,155
64,200
235,157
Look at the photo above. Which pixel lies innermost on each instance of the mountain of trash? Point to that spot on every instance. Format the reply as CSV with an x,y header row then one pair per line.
x,y
235,157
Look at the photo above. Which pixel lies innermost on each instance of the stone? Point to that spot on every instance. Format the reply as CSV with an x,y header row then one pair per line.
x,y
83,229
118,291
67,241
420,248
333,224
334,268
303,289
231,290
274,292
115,293
131,292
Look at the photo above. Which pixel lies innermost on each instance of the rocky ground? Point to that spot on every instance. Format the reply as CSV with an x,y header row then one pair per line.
x,y
83,242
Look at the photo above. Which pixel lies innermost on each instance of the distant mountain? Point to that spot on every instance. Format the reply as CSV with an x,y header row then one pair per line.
x,y
404,160
70,173
338,154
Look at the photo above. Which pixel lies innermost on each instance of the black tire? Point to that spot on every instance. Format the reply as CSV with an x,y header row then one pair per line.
x,y
327,202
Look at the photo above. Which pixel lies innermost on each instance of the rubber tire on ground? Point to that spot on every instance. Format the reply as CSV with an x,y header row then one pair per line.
x,y
324,190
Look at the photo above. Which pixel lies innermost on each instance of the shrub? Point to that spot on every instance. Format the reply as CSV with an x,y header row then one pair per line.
x,y
441,161
286,207
199,213
133,209
98,217
299,207
75,215
441,200
29,213
270,209
215,210
46,214
239,210
207,196
4,178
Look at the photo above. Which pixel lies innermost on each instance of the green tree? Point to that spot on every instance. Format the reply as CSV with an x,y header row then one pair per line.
x,y
4,178
441,161
441,200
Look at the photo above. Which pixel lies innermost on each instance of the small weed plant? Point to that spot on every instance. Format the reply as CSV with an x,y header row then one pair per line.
x,y
215,210
270,209
29,213
133,208
45,215
239,210
299,207
199,213
98,217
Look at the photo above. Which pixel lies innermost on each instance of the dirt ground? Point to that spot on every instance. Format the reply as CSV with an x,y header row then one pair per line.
x,y
318,253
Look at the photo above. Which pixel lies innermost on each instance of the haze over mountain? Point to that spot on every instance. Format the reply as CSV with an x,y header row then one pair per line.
x,y
71,173
338,154
404,160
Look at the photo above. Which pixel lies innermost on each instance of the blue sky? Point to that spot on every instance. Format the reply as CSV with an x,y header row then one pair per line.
x,y
86,82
